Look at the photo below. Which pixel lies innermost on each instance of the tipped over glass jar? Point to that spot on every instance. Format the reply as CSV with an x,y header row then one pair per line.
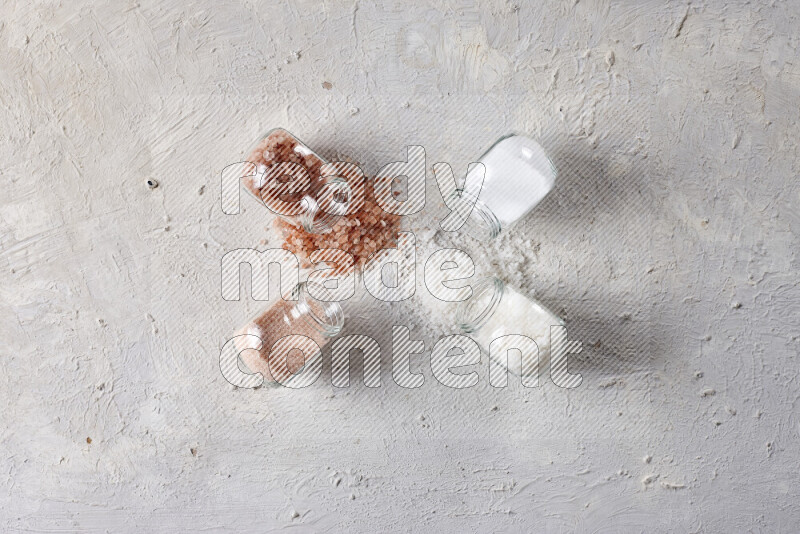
x,y
518,175
288,179
319,204
288,336
496,310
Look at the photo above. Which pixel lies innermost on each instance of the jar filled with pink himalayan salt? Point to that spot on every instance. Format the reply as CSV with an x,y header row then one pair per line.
x,y
335,211
289,335
287,178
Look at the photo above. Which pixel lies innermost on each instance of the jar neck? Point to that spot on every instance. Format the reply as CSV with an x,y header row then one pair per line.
x,y
476,311
481,223
326,318
321,211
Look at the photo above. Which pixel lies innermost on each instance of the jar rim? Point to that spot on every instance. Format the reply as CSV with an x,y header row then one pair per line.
x,y
481,223
326,317
316,219
472,313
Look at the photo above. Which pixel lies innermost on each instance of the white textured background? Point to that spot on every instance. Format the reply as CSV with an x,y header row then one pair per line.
x,y
670,246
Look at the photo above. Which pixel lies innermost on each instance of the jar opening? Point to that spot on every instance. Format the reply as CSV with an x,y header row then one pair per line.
x,y
481,223
473,313
323,210
325,317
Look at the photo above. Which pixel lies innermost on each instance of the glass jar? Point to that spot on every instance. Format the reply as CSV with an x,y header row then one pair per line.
x,y
317,320
316,207
518,175
496,309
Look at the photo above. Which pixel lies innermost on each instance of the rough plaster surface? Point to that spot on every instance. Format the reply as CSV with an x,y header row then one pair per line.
x,y
669,245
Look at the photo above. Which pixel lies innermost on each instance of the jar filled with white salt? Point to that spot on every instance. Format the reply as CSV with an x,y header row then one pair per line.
x,y
518,175
496,310
287,338
286,175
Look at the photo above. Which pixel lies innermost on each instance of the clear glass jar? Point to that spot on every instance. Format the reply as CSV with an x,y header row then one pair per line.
x,y
518,175
496,309
316,208
306,316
